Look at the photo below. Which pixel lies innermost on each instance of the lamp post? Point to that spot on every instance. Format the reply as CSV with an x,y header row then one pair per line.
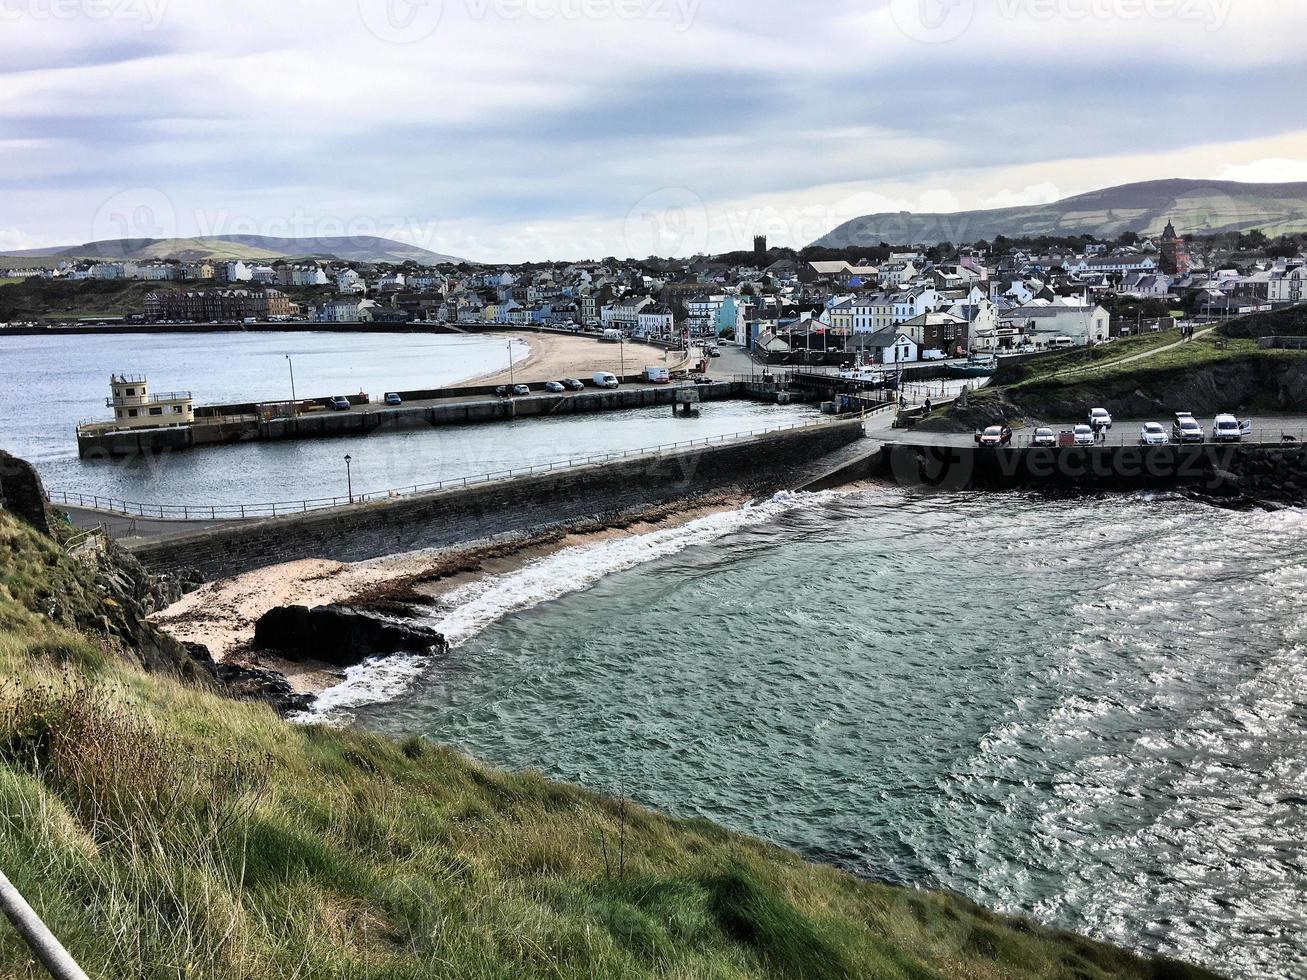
x,y
294,405
510,364
621,352
349,477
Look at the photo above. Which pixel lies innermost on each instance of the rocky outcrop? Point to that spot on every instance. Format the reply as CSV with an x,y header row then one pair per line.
x,y
22,493
340,636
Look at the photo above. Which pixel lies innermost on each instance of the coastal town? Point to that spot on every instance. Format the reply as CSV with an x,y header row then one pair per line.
x,y
884,305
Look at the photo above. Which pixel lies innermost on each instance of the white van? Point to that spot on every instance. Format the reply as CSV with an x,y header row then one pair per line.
x,y
1227,428
614,336
1061,343
657,375
602,379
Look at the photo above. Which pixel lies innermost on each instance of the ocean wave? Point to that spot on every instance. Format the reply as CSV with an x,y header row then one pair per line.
x,y
472,608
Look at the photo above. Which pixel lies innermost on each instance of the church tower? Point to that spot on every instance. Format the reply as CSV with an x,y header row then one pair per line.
x,y
1175,253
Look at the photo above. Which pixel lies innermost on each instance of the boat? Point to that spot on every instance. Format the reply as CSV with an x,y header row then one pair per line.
x,y
976,366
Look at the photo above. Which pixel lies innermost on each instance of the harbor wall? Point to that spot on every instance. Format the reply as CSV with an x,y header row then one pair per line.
x,y
225,429
523,505
1232,472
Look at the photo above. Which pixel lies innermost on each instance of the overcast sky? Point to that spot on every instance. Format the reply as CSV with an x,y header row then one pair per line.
x,y
504,130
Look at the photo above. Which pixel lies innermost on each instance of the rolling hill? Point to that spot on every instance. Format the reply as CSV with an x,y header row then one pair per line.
x,y
358,248
1196,207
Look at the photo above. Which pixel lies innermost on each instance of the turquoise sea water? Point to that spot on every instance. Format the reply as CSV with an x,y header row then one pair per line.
x,y
1087,711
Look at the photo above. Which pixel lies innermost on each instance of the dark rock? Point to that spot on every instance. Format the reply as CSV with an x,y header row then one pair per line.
x,y
339,635
22,493
255,684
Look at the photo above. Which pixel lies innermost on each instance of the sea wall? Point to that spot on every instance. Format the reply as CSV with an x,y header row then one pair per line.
x,y
1233,473
517,506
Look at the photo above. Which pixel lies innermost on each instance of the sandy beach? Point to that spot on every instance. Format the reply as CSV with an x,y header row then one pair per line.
x,y
221,615
557,356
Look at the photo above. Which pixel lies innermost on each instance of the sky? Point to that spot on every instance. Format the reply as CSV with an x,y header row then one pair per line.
x,y
514,130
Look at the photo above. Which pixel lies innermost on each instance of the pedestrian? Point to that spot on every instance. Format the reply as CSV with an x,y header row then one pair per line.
x,y
927,404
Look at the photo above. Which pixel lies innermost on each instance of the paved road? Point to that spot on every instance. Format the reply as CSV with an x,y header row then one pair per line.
x,y
1101,365
1124,432
122,528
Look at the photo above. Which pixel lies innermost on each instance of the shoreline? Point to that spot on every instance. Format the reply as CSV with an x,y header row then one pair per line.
x,y
221,615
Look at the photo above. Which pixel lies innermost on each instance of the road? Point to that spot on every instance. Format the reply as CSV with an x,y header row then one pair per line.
x,y
1124,432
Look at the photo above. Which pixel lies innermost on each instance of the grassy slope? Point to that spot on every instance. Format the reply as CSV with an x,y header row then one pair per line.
x,y
164,831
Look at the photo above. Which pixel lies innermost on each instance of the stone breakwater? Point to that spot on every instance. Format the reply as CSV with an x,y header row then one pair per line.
x,y
517,507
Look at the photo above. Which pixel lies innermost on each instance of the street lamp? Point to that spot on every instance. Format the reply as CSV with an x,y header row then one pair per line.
x,y
349,477
621,351
510,364
294,405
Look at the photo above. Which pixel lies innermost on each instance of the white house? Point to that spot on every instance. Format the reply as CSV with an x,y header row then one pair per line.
x,y
350,282
1083,324
624,315
889,347
1145,285
1288,286
655,321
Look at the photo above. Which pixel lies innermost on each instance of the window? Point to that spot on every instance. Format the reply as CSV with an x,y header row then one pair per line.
x,y
131,413
156,411
120,413
131,391
178,410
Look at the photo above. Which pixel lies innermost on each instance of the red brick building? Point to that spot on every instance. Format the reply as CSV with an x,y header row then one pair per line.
x,y
204,305
1175,253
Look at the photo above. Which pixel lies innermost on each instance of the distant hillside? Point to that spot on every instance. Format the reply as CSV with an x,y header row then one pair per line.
x,y
357,248
1196,207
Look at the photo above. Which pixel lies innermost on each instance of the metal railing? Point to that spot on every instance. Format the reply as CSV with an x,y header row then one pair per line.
x,y
1269,434
213,512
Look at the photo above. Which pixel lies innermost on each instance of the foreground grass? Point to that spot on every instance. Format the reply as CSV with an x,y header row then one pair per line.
x,y
166,832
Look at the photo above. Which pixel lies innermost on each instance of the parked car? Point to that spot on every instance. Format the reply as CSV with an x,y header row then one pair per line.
x,y
339,403
501,391
1043,437
1083,435
1152,434
703,379
571,384
714,351
1185,428
392,398
554,387
995,435
520,390
1227,428
602,379
1100,417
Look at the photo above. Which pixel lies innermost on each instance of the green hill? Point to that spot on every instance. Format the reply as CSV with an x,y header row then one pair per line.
x,y
257,248
1196,207
164,831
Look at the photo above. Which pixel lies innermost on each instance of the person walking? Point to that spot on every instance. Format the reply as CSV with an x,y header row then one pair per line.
x,y
927,404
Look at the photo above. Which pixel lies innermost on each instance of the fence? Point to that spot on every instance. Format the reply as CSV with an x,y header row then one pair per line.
x,y
1119,436
213,512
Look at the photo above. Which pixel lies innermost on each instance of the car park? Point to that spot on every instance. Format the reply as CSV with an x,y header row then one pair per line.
x,y
1083,435
1152,434
339,403
1185,428
1044,437
1227,428
392,398
1100,417
554,387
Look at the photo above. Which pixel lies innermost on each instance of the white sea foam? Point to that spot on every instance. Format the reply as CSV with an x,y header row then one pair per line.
x,y
470,609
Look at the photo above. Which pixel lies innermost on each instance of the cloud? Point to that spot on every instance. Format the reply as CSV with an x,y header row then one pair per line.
x,y
515,129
